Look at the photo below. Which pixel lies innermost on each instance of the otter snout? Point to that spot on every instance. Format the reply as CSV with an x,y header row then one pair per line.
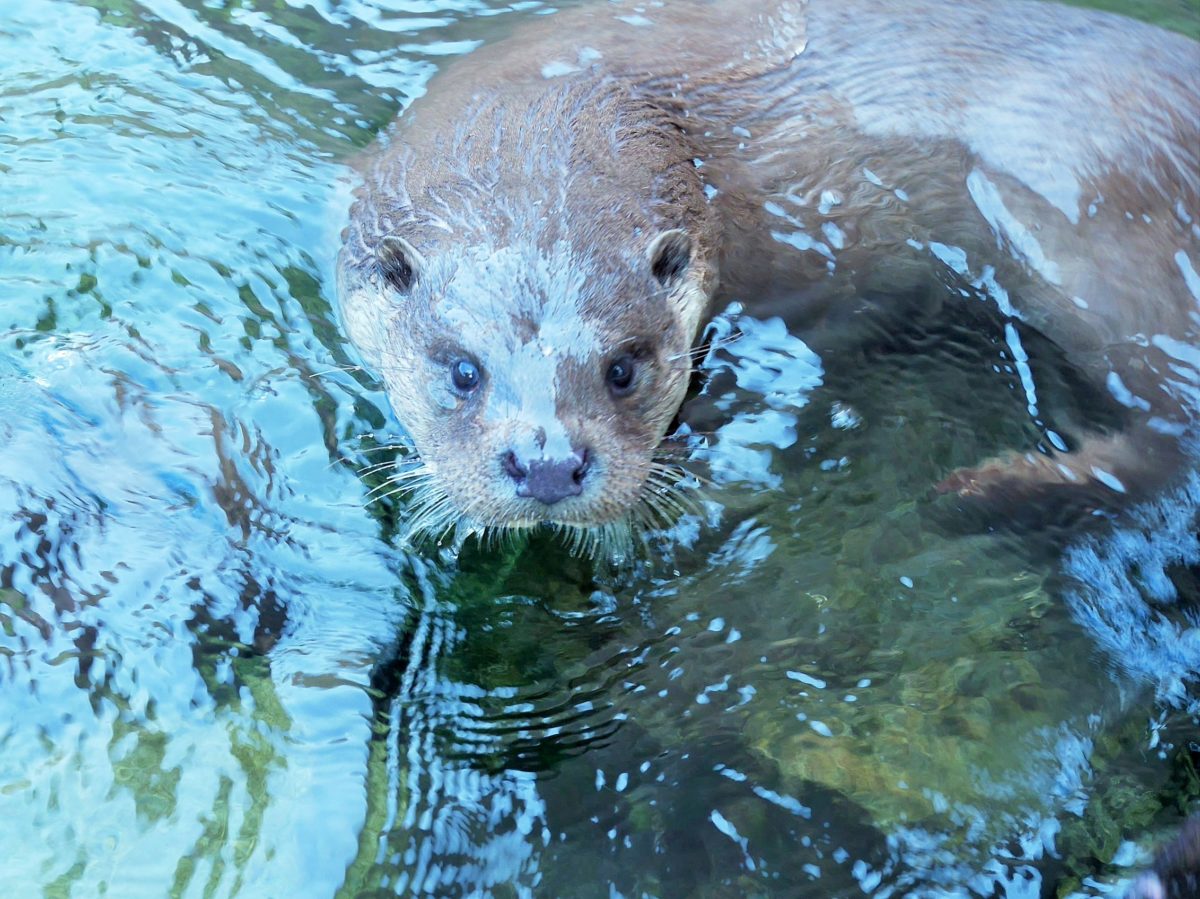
x,y
547,480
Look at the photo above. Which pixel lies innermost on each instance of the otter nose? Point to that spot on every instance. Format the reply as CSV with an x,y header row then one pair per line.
x,y
548,480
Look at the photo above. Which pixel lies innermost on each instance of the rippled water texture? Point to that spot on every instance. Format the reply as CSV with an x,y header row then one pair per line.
x,y
222,675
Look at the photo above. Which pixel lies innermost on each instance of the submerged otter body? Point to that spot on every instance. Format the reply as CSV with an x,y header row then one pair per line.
x,y
533,253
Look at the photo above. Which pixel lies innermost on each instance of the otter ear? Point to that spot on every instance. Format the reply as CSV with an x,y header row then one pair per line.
x,y
670,252
399,262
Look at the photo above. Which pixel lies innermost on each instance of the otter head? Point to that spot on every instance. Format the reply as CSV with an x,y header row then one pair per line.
x,y
536,328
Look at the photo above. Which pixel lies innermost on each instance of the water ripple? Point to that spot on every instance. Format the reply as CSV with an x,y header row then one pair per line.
x,y
220,674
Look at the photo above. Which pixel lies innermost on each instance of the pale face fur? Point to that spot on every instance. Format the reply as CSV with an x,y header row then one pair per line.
x,y
540,268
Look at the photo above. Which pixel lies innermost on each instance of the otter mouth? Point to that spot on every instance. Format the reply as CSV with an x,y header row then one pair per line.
x,y
530,512
566,498
614,539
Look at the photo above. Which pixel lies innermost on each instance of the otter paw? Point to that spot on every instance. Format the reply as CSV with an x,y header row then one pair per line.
x,y
1012,473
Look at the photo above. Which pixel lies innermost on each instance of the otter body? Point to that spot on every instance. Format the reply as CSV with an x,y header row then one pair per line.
x,y
533,253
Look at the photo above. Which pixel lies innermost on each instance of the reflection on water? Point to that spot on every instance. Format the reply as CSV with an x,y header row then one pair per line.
x,y
221,675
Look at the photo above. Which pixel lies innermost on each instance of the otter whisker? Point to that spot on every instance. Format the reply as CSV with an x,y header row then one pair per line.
x,y
670,494
378,466
394,447
432,509
658,517
685,432
399,490
675,480
394,486
702,350
650,518
450,524
687,484
648,498
584,540
675,506
676,452
591,540
665,498
402,481
678,474
408,477
498,539
433,525
339,460
425,497
575,537
337,369
371,495
367,469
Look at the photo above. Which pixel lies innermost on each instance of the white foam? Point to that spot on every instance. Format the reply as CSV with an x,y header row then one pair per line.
x,y
1122,588
781,369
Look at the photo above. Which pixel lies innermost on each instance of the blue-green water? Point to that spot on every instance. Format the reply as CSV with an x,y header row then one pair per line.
x,y
222,674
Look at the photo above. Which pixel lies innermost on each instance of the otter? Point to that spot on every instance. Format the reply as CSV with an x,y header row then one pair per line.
x,y
535,248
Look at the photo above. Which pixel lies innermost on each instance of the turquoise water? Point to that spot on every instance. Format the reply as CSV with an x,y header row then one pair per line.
x,y
222,674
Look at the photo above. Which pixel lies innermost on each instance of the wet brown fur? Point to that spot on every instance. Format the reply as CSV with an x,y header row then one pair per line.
x,y
786,103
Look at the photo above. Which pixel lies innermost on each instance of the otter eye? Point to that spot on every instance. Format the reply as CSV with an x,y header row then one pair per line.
x,y
620,375
465,375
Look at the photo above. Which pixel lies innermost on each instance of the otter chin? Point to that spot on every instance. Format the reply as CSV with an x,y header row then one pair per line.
x,y
537,243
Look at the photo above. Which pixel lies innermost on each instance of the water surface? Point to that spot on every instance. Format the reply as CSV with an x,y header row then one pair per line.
x,y
223,674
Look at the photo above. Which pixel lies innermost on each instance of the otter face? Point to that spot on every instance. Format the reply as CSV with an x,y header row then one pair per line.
x,y
526,267
537,382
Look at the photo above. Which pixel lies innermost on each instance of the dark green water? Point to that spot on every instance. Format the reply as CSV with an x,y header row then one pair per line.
x,y
221,674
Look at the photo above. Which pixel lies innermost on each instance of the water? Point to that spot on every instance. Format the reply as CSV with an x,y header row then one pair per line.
x,y
222,674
